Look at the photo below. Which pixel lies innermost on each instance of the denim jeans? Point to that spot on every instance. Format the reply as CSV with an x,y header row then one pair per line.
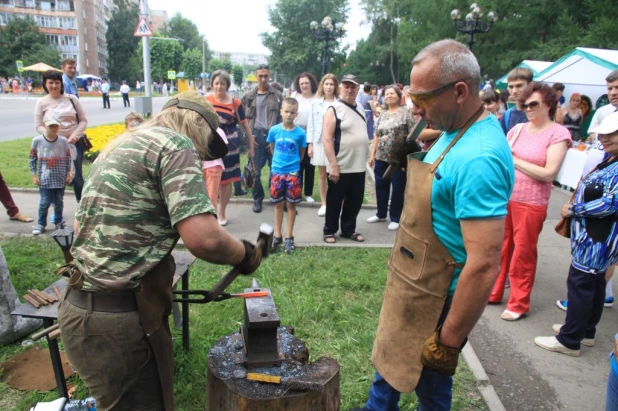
x,y
611,398
49,196
78,179
434,390
261,156
383,191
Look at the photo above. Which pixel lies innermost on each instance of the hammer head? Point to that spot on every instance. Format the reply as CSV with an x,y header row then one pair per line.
x,y
265,239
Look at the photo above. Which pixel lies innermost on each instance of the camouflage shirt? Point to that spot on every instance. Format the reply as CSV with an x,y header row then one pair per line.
x,y
130,204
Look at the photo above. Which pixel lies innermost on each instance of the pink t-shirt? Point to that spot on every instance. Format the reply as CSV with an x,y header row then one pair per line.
x,y
533,149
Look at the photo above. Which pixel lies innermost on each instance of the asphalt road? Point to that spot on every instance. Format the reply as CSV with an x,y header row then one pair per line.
x,y
17,114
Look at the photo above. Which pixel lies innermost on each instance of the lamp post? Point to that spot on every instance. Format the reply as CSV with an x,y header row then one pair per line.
x,y
329,31
473,22
64,238
376,66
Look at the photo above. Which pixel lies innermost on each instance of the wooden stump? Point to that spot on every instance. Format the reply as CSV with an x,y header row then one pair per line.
x,y
227,392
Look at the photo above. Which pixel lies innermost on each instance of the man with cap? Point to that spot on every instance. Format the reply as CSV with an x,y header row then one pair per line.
x,y
446,256
594,247
345,139
114,317
124,90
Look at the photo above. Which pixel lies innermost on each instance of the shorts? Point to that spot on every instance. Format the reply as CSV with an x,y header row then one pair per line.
x,y
286,187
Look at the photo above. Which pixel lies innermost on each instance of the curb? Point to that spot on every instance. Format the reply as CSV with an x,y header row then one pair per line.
x,y
489,394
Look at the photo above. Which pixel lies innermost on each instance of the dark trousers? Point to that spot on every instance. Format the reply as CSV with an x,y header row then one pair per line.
x,y
307,174
106,100
345,198
78,179
6,199
125,100
261,156
586,295
383,191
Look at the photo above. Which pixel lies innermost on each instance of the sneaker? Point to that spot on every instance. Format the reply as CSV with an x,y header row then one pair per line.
x,y
277,241
322,211
309,199
562,304
609,302
289,245
38,229
375,219
552,344
257,207
588,342
393,226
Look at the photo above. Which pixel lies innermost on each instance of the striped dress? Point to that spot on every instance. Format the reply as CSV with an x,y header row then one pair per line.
x,y
594,228
228,124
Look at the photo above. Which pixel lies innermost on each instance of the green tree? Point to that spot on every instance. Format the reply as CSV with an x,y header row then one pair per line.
x,y
21,40
191,63
123,63
182,28
165,55
237,74
217,64
292,45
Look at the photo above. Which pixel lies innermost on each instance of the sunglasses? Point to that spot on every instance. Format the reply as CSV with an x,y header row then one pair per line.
x,y
533,105
262,67
424,99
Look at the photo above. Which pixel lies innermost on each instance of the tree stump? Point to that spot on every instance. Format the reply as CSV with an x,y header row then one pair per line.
x,y
226,391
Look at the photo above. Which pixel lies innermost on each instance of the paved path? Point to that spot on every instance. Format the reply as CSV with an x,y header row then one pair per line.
x,y
17,114
524,376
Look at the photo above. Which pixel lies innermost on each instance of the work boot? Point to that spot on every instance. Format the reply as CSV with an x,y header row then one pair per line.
x,y
257,206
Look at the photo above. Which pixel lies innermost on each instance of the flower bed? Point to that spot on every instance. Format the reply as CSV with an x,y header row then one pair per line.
x,y
100,136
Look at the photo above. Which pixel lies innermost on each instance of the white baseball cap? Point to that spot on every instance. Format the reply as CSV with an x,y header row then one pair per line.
x,y
608,125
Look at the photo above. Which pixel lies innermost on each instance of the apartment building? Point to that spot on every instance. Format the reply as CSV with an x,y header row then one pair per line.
x,y
75,27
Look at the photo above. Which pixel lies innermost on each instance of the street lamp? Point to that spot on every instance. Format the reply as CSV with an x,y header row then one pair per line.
x,y
329,31
377,66
473,22
64,238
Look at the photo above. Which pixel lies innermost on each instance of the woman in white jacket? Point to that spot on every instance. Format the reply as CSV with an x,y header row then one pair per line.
x,y
328,90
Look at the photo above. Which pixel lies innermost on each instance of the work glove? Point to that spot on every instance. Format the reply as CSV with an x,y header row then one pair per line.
x,y
438,356
252,260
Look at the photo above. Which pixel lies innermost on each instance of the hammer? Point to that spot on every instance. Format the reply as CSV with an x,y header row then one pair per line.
x,y
264,241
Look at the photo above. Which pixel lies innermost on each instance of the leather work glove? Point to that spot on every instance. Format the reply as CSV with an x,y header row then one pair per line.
x,y
438,356
252,260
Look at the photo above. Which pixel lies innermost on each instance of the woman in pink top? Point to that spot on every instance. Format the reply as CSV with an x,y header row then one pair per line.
x,y
538,148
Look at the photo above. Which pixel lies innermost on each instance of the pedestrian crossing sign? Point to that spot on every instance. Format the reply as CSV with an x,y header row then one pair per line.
x,y
171,75
143,29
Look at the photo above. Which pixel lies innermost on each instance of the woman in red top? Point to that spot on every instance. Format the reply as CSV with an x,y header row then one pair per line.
x,y
220,82
538,148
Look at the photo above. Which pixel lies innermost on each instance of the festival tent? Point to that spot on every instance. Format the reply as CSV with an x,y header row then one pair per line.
x,y
535,65
41,67
583,71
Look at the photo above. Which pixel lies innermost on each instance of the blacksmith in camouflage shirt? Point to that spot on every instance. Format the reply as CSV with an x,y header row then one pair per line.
x,y
144,192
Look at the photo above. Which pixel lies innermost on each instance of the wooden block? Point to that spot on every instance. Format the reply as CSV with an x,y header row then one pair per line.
x,y
32,301
37,298
57,292
45,296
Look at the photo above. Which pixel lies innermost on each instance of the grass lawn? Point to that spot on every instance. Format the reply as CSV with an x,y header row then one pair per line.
x,y
331,295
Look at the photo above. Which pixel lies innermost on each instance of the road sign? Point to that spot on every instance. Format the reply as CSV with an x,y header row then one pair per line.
x,y
171,75
143,28
20,65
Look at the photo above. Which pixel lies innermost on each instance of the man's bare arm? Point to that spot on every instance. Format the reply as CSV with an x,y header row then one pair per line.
x,y
483,241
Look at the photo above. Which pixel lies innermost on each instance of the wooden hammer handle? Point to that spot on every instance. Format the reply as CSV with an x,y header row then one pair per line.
x,y
44,332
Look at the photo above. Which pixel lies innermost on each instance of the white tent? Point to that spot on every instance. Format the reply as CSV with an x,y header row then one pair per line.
x,y
535,65
583,71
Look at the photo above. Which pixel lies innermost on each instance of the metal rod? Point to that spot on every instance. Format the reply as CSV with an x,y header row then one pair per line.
x,y
56,360
185,312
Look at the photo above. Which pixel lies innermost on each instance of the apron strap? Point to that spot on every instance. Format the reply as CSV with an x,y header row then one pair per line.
x,y
465,128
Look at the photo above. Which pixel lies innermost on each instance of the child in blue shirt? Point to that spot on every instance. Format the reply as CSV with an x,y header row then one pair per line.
x,y
287,143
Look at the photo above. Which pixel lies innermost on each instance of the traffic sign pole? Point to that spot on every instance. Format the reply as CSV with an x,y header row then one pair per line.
x,y
146,52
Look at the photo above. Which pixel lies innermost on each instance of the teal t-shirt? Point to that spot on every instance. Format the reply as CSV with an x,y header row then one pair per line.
x,y
286,156
474,181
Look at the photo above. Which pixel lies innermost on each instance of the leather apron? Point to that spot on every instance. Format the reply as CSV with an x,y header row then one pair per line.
x,y
419,278
154,305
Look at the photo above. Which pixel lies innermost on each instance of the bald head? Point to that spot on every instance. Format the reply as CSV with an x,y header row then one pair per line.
x,y
456,63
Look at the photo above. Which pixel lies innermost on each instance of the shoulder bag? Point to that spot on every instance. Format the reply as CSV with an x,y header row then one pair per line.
x,y
87,143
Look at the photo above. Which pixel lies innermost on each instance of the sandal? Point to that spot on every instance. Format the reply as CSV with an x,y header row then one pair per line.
x,y
330,239
511,316
22,218
358,237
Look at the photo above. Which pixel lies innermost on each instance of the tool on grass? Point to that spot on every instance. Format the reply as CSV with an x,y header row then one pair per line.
x,y
264,242
287,382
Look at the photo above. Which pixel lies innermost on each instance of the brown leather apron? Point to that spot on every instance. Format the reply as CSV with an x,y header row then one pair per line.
x,y
419,277
154,305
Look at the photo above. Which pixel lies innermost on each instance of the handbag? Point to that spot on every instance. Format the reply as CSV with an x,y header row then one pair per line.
x,y
564,225
87,143
248,175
